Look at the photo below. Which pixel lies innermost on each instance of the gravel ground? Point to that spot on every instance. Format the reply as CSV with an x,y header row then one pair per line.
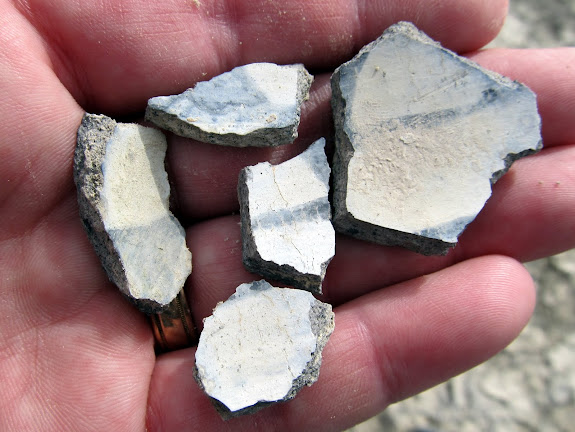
x,y
530,386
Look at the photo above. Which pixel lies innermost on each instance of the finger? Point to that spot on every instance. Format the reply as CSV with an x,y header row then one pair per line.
x,y
551,75
111,56
217,264
530,215
386,346
358,267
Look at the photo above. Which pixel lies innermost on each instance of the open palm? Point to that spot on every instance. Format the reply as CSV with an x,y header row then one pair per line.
x,y
75,355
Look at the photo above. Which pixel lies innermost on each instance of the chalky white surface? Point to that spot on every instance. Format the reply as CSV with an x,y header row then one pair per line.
x,y
136,188
261,98
135,210
255,345
289,218
423,134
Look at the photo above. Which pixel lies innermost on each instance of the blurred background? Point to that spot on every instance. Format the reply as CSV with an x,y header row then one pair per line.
x,y
530,386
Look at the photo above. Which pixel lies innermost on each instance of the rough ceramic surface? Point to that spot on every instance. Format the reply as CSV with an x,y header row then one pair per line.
x,y
253,105
287,233
261,346
123,195
421,135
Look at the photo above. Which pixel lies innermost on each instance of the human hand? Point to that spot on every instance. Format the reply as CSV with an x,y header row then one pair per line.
x,y
74,355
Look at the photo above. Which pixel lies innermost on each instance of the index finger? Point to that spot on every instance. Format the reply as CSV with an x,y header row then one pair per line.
x,y
114,56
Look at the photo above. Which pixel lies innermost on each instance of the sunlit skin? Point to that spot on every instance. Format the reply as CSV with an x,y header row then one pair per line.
x,y
75,355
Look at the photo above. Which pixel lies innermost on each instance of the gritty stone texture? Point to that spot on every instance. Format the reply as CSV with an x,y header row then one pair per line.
x,y
123,195
287,234
253,105
261,346
421,135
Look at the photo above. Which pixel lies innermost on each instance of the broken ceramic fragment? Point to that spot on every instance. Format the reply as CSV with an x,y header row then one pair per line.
x,y
123,195
253,105
261,346
421,135
287,233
